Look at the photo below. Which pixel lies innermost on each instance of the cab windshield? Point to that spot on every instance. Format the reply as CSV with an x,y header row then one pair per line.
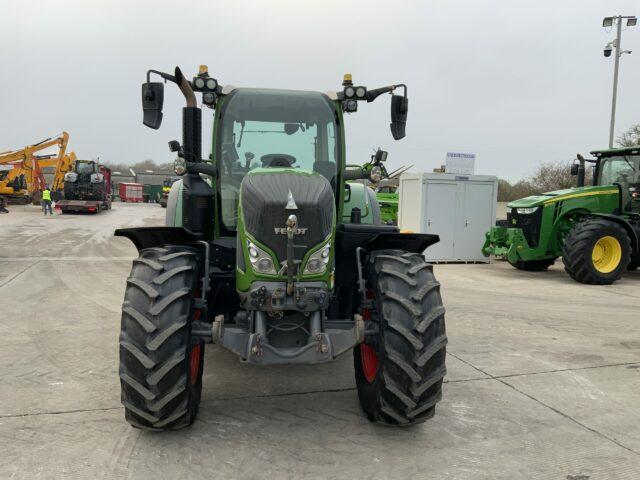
x,y
85,167
273,129
618,169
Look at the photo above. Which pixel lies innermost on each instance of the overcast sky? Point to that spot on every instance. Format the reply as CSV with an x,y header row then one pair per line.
x,y
516,82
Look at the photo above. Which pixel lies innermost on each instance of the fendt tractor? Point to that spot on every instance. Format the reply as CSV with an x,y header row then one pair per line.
x,y
595,229
87,188
258,256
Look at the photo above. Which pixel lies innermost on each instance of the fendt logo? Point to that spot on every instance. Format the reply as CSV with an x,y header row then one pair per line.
x,y
296,231
292,221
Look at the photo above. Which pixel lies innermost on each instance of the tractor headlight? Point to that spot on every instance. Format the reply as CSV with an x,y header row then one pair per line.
x,y
376,174
97,178
199,82
318,261
349,92
212,84
260,260
361,92
180,166
527,211
70,177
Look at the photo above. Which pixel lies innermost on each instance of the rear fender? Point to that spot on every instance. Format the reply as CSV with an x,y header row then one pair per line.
x,y
174,205
633,234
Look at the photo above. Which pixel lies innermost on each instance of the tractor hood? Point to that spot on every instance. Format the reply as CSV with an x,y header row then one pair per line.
x,y
560,195
269,195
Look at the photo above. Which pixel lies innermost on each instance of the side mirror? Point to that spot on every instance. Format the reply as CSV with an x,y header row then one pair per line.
x,y
152,101
399,109
574,169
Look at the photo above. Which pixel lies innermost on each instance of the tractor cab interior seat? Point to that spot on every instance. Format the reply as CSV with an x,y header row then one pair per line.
x,y
277,160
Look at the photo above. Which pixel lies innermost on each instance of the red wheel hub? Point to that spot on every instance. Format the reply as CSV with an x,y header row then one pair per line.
x,y
194,363
368,355
369,359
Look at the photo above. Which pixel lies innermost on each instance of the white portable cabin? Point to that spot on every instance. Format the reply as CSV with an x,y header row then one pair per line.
x,y
458,208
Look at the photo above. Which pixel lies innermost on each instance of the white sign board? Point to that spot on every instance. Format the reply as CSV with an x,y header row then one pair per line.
x,y
6,168
463,163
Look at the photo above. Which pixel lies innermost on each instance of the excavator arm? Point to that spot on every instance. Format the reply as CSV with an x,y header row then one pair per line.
x,y
26,162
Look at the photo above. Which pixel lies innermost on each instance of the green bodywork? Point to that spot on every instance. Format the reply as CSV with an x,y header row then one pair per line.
x,y
556,213
388,206
245,274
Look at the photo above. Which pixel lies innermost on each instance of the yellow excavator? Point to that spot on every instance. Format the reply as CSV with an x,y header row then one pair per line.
x,y
21,178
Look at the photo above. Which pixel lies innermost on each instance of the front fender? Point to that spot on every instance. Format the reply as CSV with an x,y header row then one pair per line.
x,y
148,237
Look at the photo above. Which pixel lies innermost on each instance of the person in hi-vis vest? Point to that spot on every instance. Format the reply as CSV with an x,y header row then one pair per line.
x,y
46,201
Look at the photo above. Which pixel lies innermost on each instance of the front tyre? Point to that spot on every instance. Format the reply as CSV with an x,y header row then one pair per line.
x,y
400,370
160,366
596,251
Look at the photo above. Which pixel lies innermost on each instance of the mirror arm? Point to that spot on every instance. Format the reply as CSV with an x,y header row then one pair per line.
x,y
180,80
376,92
166,76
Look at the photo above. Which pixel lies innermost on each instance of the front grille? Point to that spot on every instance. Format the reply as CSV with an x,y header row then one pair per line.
x,y
529,224
264,198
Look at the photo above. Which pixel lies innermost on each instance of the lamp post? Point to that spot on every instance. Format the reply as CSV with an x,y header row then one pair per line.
x,y
609,22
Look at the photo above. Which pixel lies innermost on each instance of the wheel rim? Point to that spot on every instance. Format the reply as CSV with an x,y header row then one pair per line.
x,y
194,363
370,362
606,254
368,354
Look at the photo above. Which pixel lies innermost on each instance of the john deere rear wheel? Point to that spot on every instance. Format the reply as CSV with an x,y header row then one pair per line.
x,y
399,371
596,251
160,365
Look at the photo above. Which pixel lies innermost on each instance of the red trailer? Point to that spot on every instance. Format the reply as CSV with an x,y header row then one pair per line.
x,y
130,192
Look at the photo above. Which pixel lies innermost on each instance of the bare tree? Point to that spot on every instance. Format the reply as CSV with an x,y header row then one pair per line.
x,y
548,177
552,176
630,138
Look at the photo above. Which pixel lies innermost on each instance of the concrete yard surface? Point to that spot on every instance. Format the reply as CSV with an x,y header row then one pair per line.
x,y
543,378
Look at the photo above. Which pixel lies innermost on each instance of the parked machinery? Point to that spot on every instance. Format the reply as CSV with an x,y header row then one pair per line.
x,y
24,181
260,257
166,188
87,188
595,229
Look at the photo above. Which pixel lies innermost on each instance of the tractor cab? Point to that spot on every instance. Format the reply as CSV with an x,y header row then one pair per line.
x,y
621,167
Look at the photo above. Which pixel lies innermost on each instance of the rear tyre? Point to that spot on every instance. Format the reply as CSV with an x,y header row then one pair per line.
x,y
534,265
160,366
400,370
596,251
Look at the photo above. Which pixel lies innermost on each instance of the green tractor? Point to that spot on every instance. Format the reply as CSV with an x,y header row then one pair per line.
x,y
595,229
259,256
385,187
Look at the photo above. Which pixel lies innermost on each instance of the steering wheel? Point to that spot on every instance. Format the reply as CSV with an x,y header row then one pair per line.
x,y
278,160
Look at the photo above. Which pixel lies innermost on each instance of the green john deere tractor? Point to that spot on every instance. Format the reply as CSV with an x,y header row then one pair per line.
x,y
596,229
261,256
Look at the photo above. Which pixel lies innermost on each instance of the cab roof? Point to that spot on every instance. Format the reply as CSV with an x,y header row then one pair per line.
x,y
610,152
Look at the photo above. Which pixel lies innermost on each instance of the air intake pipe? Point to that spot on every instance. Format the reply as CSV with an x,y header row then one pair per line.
x,y
197,195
